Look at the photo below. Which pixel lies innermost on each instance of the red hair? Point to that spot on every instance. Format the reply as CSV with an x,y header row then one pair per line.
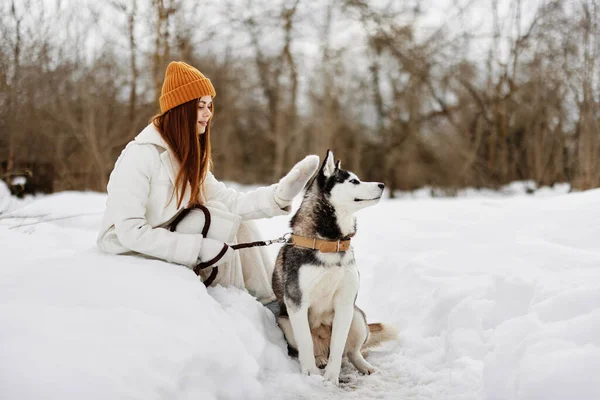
x,y
179,127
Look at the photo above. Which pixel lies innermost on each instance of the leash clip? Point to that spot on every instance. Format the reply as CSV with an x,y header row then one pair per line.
x,y
284,239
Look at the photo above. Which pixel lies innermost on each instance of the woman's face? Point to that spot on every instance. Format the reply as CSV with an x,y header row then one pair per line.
x,y
204,113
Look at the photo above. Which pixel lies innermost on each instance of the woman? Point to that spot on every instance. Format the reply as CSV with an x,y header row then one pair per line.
x,y
166,168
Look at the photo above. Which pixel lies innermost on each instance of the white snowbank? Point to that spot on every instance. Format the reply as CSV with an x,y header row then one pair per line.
x,y
495,298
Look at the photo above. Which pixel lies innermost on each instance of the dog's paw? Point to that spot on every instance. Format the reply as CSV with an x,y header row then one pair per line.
x,y
367,369
321,362
332,375
312,370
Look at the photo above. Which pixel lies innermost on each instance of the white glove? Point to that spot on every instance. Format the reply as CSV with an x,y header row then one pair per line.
x,y
211,249
290,185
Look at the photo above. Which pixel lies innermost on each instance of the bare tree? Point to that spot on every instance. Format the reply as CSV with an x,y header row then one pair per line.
x,y
278,76
163,12
586,78
129,9
17,17
426,114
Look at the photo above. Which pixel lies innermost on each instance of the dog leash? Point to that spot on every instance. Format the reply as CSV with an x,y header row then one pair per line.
x,y
288,238
283,240
203,265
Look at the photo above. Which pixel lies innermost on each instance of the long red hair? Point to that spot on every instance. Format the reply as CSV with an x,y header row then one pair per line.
x,y
179,127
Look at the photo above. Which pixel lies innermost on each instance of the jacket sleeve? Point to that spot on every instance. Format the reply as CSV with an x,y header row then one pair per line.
x,y
128,191
258,203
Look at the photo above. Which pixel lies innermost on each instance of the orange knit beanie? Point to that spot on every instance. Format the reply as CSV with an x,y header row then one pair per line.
x,y
182,84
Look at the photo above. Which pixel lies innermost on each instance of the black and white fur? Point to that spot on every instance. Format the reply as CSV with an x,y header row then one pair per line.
x,y
317,291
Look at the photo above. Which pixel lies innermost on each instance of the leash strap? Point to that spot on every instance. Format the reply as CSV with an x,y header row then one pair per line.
x,y
186,211
248,245
203,265
284,239
206,264
325,246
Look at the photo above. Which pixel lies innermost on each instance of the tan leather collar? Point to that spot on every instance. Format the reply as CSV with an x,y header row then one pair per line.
x,y
324,246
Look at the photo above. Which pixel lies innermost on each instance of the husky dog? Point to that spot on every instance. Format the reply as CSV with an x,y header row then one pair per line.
x,y
316,280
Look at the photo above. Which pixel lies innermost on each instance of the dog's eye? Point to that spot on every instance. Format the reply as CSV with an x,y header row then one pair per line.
x,y
355,181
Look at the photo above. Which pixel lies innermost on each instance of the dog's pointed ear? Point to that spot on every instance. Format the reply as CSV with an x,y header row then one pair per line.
x,y
328,167
338,164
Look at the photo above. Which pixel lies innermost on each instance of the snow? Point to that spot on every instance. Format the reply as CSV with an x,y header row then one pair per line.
x,y
496,295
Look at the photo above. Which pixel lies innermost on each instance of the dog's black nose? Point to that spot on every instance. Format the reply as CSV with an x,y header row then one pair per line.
x,y
381,186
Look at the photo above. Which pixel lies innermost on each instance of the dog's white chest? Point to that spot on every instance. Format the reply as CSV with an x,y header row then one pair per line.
x,y
321,285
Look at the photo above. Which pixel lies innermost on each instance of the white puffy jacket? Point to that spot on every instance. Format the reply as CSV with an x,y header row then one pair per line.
x,y
140,203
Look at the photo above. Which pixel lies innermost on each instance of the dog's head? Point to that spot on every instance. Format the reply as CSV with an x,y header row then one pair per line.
x,y
342,188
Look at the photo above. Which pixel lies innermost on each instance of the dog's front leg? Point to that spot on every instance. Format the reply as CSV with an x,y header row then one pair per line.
x,y
304,341
342,319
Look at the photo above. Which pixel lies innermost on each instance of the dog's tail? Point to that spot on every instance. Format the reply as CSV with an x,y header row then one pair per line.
x,y
379,333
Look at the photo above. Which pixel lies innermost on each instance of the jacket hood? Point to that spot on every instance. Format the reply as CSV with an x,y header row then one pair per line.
x,y
151,135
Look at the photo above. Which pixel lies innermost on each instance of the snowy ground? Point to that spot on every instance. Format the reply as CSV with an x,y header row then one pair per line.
x,y
495,297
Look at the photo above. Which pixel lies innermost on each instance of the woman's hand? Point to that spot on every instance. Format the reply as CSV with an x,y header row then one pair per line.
x,y
292,184
215,252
